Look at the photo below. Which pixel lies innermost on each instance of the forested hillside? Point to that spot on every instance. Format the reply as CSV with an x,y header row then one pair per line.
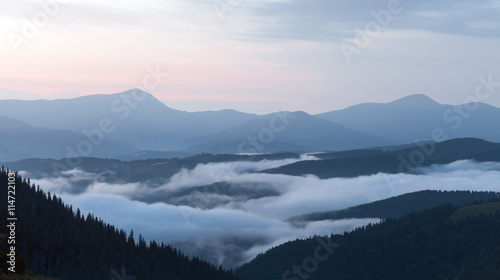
x,y
153,171
57,241
392,160
398,206
427,245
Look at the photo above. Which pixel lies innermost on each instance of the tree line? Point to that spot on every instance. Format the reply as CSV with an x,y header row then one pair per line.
x,y
54,240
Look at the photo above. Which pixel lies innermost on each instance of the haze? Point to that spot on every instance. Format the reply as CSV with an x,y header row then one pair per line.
x,y
254,57
236,231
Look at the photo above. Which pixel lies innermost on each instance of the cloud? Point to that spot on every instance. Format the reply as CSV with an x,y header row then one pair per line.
x,y
266,51
204,174
326,20
320,20
233,231
214,234
469,166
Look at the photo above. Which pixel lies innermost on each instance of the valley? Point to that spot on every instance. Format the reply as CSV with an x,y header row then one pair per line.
x,y
246,190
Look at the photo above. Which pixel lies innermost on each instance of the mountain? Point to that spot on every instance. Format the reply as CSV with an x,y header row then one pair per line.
x,y
399,206
391,160
21,140
56,241
297,131
153,172
6,93
144,155
133,116
435,244
138,120
419,117
219,194
415,101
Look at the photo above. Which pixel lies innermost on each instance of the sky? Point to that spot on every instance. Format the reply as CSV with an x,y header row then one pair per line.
x,y
250,55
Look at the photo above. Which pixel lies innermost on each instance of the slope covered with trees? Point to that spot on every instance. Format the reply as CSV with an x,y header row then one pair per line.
x,y
398,206
153,171
392,160
56,241
426,245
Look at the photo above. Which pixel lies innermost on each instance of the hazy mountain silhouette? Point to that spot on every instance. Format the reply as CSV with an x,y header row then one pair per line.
x,y
423,245
397,206
144,123
151,171
145,155
297,131
417,117
372,161
138,117
21,140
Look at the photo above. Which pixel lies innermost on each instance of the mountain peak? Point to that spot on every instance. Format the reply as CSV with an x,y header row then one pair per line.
x,y
416,100
138,92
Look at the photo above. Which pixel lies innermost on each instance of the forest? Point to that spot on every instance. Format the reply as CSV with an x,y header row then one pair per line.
x,y
450,241
395,207
444,242
56,241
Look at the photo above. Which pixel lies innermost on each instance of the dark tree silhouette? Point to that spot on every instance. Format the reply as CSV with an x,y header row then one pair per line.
x,y
54,241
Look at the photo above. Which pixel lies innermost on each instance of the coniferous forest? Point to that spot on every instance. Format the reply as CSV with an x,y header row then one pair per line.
x,y
56,241
447,242
441,243
249,140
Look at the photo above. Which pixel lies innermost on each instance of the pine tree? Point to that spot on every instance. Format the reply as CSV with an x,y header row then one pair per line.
x,y
3,236
56,241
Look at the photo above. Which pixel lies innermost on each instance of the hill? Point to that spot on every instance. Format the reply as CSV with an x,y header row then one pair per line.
x,y
294,131
56,241
145,155
220,193
135,120
392,160
137,116
418,117
152,171
21,140
398,206
417,246
475,210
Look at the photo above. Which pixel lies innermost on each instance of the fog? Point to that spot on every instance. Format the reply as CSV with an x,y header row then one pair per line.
x,y
235,230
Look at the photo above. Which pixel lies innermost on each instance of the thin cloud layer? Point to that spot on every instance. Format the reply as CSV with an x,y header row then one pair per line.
x,y
318,20
236,230
204,174
261,53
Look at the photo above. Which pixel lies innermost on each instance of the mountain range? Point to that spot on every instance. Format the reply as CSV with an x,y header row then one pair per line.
x,y
434,244
21,140
398,206
418,117
136,123
404,159
345,164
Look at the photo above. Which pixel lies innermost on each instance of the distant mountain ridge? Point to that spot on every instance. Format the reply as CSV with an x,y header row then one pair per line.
x,y
395,207
151,171
299,129
418,117
425,245
137,120
58,241
21,140
372,161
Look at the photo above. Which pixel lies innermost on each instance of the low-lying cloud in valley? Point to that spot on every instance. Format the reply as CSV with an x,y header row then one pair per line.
x,y
236,228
